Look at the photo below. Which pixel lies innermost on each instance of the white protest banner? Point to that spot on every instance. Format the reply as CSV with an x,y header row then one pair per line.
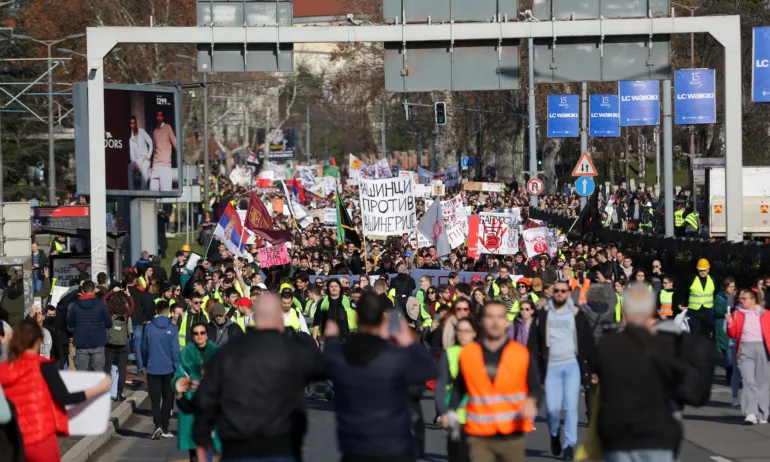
x,y
553,242
388,207
330,217
535,241
89,417
422,191
496,234
329,185
192,261
409,173
492,187
455,220
306,175
241,176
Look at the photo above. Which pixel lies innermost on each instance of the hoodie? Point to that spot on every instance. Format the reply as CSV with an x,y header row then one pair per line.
x,y
160,346
600,308
368,366
88,320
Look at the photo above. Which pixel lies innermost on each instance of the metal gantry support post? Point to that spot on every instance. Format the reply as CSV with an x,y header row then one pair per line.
x,y
384,128
668,160
435,137
206,166
657,159
583,128
532,117
96,162
730,37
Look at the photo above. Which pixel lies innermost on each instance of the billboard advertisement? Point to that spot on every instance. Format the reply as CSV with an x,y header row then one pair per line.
x,y
563,116
760,65
604,117
695,97
639,103
142,140
281,144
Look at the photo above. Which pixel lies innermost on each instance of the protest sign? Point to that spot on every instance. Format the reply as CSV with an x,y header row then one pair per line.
x,y
306,175
329,185
439,189
379,169
65,269
449,177
241,176
330,217
89,417
437,277
388,207
455,220
485,187
535,241
494,233
422,191
273,256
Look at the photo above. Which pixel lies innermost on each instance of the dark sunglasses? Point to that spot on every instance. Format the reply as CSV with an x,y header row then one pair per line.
x,y
560,291
199,333
489,280
431,292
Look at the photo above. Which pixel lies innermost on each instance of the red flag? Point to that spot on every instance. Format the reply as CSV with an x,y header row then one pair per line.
x,y
334,161
259,222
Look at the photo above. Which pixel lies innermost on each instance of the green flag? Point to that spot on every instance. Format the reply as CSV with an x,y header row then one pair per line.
x,y
331,170
345,228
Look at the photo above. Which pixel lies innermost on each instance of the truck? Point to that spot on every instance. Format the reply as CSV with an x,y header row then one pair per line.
x,y
756,201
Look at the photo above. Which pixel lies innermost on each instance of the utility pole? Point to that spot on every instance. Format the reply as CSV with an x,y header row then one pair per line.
x,y
435,138
384,128
307,132
532,118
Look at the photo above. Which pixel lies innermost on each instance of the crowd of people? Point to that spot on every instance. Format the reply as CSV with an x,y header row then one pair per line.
x,y
240,348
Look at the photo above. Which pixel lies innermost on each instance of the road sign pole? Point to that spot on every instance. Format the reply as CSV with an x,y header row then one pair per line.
x,y
532,117
583,127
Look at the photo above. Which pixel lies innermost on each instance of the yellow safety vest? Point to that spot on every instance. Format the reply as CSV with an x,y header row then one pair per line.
x,y
183,327
618,307
240,320
349,311
693,219
679,218
666,303
57,246
293,321
170,302
453,357
701,296
516,307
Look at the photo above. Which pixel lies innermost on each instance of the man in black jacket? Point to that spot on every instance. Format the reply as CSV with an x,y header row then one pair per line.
x,y
563,344
253,388
144,311
638,372
366,366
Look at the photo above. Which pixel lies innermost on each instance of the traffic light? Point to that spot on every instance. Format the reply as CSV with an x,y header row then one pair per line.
x,y
539,163
440,111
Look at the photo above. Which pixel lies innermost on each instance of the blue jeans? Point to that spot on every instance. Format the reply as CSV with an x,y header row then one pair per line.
x,y
647,455
735,379
114,389
37,284
138,334
260,459
562,391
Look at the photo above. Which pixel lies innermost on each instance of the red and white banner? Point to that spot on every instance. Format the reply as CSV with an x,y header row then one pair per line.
x,y
455,220
536,241
492,233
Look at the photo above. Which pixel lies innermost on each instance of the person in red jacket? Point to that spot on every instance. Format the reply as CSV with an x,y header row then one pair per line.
x,y
749,325
33,384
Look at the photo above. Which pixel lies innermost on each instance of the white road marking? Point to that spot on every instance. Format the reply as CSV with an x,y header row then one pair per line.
x,y
720,459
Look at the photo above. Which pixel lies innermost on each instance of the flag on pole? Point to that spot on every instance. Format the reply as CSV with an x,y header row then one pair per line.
x,y
432,226
345,228
298,191
230,230
259,222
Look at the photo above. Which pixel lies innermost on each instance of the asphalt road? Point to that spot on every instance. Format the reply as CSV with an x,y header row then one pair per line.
x,y
133,443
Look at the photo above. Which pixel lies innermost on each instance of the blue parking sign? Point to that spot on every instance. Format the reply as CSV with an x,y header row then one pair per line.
x,y
563,116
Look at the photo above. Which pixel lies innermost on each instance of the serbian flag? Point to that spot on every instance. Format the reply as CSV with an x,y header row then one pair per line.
x,y
298,191
230,230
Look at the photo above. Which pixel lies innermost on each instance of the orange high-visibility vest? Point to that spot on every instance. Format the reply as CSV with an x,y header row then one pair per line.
x,y
495,408
582,295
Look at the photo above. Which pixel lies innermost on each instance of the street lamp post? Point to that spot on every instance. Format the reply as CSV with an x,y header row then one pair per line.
x,y
51,161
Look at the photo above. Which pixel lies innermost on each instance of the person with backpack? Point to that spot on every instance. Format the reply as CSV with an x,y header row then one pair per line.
x,y
638,373
401,288
88,321
121,306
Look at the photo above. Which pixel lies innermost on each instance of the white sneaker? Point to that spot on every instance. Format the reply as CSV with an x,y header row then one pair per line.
x,y
167,435
156,434
762,421
751,419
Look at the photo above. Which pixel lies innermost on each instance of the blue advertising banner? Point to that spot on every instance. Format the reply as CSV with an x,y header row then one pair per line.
x,y
639,103
563,116
604,117
760,67
694,96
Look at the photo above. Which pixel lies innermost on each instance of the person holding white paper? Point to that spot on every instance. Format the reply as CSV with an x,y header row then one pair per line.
x,y
37,390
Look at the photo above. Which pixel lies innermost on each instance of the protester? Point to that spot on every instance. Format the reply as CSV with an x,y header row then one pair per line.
x,y
365,366
88,321
116,351
39,395
161,357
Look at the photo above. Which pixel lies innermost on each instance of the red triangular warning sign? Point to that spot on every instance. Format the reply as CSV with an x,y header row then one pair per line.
x,y
585,166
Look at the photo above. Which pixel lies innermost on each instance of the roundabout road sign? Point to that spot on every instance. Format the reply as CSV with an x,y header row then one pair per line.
x,y
535,186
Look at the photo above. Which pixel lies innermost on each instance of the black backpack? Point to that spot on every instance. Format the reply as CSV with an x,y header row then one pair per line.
x,y
401,285
118,333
